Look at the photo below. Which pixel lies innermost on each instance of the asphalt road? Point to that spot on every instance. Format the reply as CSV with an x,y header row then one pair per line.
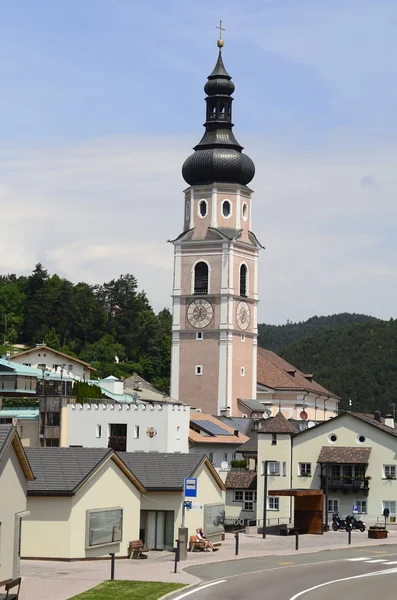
x,y
365,574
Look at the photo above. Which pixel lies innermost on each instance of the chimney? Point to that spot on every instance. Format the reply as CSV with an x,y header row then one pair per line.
x,y
377,416
237,433
389,421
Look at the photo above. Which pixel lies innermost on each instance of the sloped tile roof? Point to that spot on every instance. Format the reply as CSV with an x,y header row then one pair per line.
x,y
370,419
276,373
343,454
61,471
161,471
251,446
216,439
277,424
5,432
241,480
243,424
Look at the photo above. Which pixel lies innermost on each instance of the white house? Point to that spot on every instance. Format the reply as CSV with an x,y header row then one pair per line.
x,y
134,427
43,357
15,472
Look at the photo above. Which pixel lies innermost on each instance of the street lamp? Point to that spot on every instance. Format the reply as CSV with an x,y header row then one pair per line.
x,y
265,467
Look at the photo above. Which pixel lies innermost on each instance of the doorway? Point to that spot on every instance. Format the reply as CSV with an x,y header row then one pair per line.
x,y
157,529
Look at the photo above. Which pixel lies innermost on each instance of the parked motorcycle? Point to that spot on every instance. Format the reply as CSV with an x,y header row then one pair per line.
x,y
355,523
339,524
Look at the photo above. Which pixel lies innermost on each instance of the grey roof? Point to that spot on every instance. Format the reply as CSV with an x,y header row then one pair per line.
x,y
62,471
243,424
251,446
228,232
5,433
161,471
253,405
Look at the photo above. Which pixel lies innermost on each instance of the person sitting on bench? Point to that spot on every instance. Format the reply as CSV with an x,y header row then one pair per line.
x,y
200,537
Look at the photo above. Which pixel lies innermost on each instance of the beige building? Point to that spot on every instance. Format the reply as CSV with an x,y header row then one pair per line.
x,y
15,472
284,388
43,357
162,511
351,457
84,503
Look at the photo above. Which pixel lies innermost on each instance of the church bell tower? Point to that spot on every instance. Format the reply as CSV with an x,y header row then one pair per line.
x,y
215,290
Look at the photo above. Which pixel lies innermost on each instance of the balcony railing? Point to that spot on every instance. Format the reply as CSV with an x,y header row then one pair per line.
x,y
118,443
201,291
345,484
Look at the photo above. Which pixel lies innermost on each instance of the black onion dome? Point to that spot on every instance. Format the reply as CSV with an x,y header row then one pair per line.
x,y
218,157
218,164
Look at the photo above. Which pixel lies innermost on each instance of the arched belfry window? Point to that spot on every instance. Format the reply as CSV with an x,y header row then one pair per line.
x,y
243,280
201,278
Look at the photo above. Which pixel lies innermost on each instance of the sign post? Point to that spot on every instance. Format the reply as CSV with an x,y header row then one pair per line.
x,y
189,491
355,509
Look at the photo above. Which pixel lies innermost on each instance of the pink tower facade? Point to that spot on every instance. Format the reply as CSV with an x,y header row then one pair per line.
x,y
215,288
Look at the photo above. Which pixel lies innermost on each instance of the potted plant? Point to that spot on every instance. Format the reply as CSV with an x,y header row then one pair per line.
x,y
389,477
305,474
377,532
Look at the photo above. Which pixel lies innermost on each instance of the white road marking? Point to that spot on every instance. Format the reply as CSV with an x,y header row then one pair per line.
x,y
357,559
316,587
391,562
198,589
377,560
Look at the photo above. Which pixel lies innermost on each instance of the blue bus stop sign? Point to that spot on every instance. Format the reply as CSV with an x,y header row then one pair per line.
x,y
190,487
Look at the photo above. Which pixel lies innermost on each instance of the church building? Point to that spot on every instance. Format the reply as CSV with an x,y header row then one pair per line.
x,y
216,366
215,290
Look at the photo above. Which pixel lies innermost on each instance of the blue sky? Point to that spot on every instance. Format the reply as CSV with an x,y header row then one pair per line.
x,y
103,99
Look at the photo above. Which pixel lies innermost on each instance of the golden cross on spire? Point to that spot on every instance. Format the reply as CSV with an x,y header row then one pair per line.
x,y
220,41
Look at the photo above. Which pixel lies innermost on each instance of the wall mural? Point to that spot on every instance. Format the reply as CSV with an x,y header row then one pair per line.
x,y
151,432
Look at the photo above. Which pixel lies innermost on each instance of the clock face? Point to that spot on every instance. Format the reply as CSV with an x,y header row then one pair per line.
x,y
199,313
243,315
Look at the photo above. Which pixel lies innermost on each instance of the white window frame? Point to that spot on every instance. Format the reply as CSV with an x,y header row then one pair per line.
x,y
274,439
199,335
206,208
136,432
211,457
332,502
359,504
275,464
302,468
389,504
231,208
115,535
99,431
284,469
242,371
238,493
243,337
198,370
389,471
242,211
273,503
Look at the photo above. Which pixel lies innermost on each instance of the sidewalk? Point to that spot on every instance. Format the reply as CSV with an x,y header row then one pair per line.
x,y
49,580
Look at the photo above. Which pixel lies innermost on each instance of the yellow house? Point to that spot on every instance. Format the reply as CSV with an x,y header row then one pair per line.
x,y
84,503
15,472
162,511
352,458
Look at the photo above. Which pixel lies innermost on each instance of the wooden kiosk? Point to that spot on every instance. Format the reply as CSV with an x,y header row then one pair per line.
x,y
308,509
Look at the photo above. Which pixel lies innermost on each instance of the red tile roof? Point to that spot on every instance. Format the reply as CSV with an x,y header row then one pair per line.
x,y
277,373
344,454
241,480
277,424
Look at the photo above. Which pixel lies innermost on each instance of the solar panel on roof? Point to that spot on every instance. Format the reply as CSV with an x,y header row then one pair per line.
x,y
210,427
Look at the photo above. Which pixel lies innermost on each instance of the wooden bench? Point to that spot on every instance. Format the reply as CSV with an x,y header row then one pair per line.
x,y
193,544
136,550
9,586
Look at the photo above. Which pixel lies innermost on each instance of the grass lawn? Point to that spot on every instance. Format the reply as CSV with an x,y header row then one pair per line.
x,y
128,590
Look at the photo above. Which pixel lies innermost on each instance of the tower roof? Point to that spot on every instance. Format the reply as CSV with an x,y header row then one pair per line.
x,y
218,157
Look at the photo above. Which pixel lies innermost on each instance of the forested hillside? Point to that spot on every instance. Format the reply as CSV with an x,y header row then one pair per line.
x,y
277,337
95,323
356,361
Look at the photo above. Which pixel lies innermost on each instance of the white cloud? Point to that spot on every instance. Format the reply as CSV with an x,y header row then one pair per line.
x,y
95,210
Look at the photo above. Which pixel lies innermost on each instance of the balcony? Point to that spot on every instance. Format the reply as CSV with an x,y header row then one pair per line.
x,y
338,483
118,443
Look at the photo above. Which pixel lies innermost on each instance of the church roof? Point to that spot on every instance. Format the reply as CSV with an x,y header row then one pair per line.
x,y
276,373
